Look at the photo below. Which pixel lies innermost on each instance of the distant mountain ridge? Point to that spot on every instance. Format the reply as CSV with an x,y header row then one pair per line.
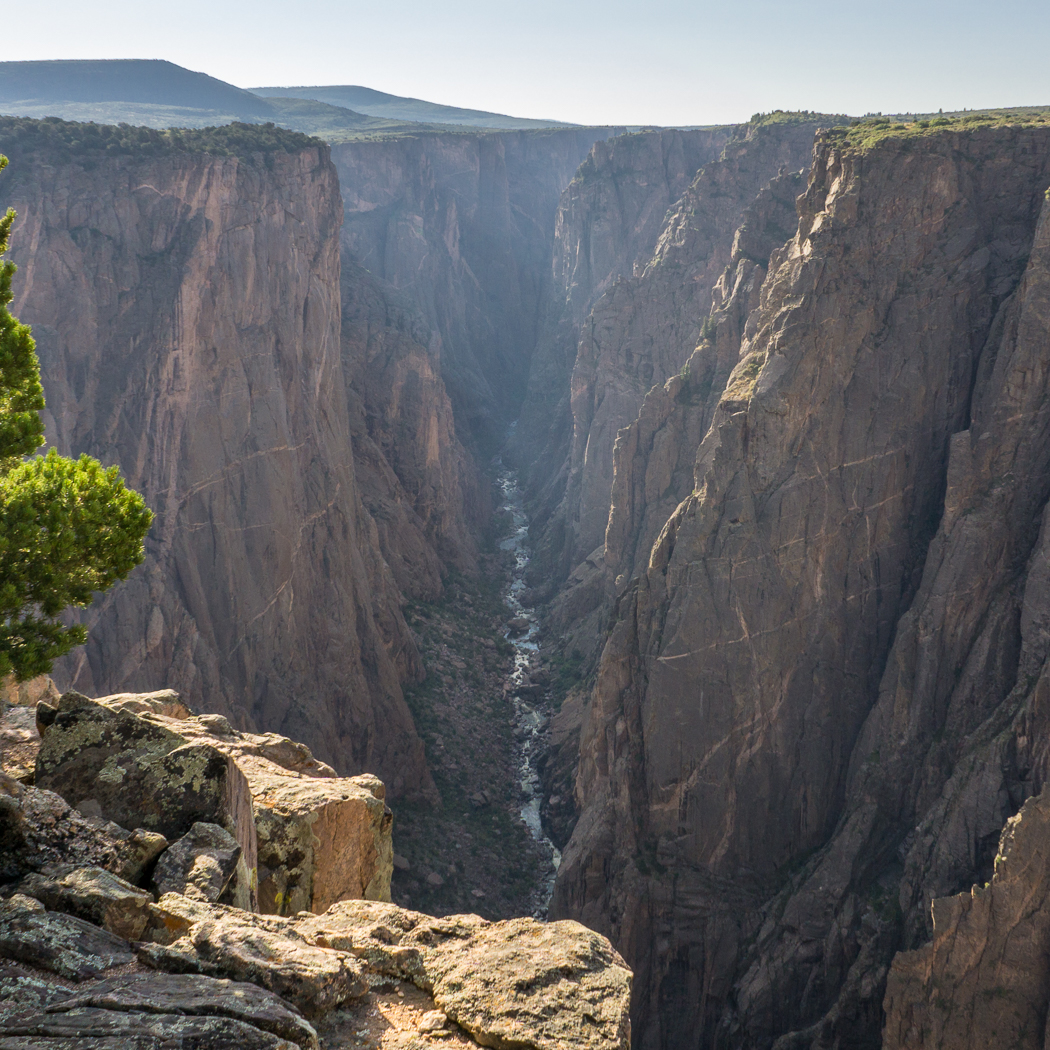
x,y
143,81
396,107
161,94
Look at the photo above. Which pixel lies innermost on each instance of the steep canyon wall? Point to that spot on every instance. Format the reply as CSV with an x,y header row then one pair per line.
x,y
818,700
185,302
644,325
462,225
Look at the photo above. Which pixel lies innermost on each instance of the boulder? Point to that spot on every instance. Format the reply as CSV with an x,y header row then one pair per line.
x,y
320,840
518,983
201,864
142,772
61,944
313,838
93,894
19,742
39,829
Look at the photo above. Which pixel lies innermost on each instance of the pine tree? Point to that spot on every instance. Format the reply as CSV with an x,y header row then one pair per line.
x,y
68,528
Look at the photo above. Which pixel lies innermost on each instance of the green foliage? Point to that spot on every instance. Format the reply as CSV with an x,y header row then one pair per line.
x,y
21,395
63,140
68,528
862,135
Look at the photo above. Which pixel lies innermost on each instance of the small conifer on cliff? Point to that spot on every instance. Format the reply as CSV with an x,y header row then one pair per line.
x,y
68,528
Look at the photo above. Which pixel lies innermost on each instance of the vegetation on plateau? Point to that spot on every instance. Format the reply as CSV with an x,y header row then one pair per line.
x,y
868,131
68,528
22,137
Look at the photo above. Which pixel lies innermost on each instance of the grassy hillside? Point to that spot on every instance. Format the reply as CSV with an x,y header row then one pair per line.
x,y
134,81
394,107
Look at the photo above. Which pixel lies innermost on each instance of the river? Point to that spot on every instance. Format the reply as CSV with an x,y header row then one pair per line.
x,y
522,631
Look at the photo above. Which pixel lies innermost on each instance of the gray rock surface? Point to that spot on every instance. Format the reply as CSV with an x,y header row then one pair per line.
x,y
193,996
267,953
201,864
94,894
60,944
143,772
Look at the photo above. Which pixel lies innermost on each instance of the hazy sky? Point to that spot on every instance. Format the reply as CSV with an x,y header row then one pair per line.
x,y
661,62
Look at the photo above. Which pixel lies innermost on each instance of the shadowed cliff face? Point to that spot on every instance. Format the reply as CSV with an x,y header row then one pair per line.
x,y
417,482
738,731
463,226
186,311
608,221
642,330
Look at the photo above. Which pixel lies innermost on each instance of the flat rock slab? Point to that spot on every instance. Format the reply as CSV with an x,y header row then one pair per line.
x,y
238,946
193,995
92,1029
61,944
93,894
20,992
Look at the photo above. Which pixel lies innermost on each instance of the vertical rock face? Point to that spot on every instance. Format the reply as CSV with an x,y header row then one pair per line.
x,y
643,329
608,221
463,226
746,784
654,455
186,310
983,980
417,482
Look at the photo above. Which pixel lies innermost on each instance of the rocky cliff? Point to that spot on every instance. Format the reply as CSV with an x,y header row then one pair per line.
x,y
643,328
463,225
608,220
111,937
184,295
418,483
818,701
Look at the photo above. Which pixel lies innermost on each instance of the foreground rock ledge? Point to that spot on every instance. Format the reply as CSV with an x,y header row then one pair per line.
x,y
513,985
308,838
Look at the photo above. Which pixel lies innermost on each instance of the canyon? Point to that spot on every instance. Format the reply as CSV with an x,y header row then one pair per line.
x,y
776,399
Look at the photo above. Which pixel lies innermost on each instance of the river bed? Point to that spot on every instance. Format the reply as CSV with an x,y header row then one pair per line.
x,y
522,631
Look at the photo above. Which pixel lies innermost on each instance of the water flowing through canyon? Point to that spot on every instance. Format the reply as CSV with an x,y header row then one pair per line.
x,y
522,631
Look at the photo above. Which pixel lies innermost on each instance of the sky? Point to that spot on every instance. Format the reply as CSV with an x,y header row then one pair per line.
x,y
662,62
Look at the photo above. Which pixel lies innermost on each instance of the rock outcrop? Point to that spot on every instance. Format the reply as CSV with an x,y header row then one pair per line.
x,y
184,296
838,636
306,838
89,960
984,979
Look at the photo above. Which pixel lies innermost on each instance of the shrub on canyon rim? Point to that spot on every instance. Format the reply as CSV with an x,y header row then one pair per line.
x,y
68,528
